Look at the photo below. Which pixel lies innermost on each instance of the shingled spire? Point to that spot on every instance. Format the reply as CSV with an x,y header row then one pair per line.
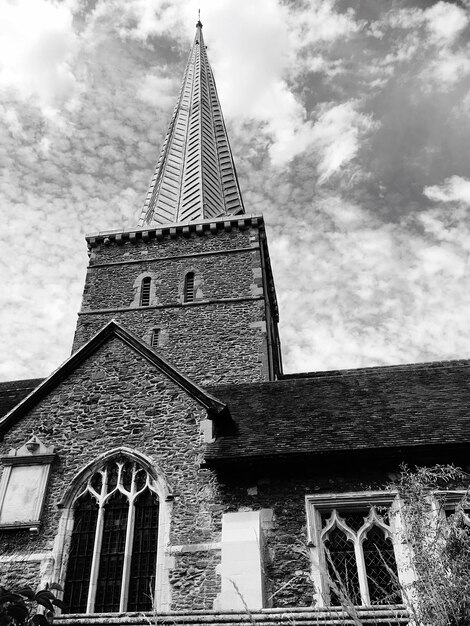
x,y
195,177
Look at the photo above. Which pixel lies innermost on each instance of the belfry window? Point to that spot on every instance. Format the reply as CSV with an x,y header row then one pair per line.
x,y
354,553
113,550
155,337
145,291
189,287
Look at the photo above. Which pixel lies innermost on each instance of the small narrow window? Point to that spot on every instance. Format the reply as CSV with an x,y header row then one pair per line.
x,y
145,291
189,287
154,337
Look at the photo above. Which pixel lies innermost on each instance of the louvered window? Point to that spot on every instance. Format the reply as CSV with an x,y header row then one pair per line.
x,y
113,551
189,287
355,553
155,337
145,291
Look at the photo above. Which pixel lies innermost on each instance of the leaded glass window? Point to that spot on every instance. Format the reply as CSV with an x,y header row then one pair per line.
x,y
113,550
354,551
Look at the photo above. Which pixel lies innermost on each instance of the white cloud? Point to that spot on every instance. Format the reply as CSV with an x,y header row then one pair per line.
x,y
36,44
446,21
336,137
318,21
453,189
158,89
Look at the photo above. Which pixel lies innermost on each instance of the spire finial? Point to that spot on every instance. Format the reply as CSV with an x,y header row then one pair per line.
x,y
199,23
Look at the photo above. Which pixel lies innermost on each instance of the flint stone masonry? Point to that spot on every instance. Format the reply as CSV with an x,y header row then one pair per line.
x,y
225,335
115,399
209,343
220,276
170,247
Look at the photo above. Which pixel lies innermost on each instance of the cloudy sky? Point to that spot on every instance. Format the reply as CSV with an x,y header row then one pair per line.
x,y
350,126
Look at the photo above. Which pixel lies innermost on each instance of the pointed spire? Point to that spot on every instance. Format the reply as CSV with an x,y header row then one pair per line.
x,y
195,177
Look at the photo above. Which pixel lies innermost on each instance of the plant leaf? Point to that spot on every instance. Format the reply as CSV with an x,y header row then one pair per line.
x,y
39,620
10,597
18,612
44,601
56,586
56,602
27,592
44,593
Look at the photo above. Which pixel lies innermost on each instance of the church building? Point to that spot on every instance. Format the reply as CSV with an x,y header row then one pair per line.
x,y
169,470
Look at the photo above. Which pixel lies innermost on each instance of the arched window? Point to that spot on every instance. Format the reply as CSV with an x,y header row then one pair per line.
x,y
113,551
145,291
355,548
189,287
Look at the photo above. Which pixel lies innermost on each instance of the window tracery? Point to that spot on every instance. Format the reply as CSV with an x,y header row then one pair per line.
x,y
354,552
113,550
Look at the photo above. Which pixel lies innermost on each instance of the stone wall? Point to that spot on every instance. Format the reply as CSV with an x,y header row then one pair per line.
x,y
221,336
116,399
287,559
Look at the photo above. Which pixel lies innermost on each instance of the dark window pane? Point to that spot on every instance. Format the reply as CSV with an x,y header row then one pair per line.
x,y
144,553
126,475
381,568
342,569
81,554
112,554
354,519
145,292
155,337
189,287
112,470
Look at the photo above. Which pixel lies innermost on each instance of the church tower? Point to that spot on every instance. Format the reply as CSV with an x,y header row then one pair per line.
x,y
193,279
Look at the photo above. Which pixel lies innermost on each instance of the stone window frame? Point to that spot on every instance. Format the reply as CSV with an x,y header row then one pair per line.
x,y
155,336
189,295
137,290
31,454
315,504
161,592
144,294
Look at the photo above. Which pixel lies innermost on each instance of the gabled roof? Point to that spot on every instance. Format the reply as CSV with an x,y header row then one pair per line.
x,y
383,408
216,410
13,391
195,177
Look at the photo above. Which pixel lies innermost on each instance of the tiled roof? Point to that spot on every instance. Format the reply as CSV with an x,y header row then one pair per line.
x,y
13,391
375,408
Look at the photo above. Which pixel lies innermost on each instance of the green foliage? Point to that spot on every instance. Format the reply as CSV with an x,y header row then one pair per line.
x,y
436,530
20,607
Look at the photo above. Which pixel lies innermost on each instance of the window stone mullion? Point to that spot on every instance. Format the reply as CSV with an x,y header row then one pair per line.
x,y
361,568
96,560
127,556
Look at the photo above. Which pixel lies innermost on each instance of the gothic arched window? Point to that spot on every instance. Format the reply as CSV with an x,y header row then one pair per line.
x,y
354,550
189,287
145,291
113,549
